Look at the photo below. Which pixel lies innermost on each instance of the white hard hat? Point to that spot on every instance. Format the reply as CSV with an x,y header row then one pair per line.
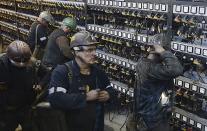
x,y
47,16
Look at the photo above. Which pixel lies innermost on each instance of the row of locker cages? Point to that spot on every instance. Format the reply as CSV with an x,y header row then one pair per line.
x,y
182,39
34,7
120,65
181,82
189,112
188,8
24,21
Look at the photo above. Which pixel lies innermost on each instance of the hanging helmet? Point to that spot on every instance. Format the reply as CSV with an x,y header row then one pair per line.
x,y
19,53
82,38
70,23
47,16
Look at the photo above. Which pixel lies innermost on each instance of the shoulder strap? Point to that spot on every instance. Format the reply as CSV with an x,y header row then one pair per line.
x,y
97,76
37,46
4,61
70,74
36,34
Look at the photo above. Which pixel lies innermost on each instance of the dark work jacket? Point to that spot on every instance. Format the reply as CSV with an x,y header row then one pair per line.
x,y
73,101
42,34
153,79
16,85
53,54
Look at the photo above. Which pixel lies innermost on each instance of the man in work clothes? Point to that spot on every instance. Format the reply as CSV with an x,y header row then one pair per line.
x,y
38,34
80,88
155,74
58,46
16,87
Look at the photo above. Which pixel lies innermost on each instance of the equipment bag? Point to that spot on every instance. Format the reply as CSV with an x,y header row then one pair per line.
x,y
45,118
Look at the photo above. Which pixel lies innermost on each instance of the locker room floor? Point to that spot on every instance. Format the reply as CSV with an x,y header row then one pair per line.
x,y
116,123
110,125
